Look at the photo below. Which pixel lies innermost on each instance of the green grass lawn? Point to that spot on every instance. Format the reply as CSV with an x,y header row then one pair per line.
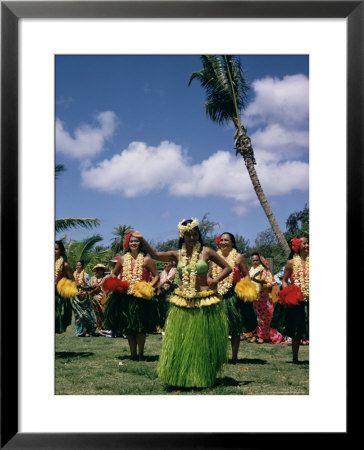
x,y
91,366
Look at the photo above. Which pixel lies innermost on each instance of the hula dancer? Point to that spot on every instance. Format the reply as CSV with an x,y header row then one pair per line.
x,y
291,315
264,282
132,308
240,312
65,288
195,342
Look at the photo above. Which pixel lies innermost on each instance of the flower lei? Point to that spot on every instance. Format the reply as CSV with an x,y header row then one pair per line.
x,y
189,278
183,228
58,268
252,273
132,274
301,277
224,285
79,277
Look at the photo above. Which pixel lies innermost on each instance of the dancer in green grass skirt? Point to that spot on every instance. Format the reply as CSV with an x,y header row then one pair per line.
x,y
240,314
196,332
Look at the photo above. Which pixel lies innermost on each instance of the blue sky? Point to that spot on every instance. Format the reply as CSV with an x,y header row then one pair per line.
x,y
140,150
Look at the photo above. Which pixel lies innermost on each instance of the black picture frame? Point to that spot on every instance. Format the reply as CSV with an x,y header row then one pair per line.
x,y
11,12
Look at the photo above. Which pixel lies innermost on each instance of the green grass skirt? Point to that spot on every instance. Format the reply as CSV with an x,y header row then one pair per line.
x,y
194,346
131,315
292,321
163,307
63,313
241,316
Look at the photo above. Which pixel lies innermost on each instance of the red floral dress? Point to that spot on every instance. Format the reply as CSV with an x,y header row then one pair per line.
x,y
264,309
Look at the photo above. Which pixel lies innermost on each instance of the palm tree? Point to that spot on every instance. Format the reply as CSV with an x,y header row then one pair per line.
x,y
59,169
72,222
226,88
117,242
87,250
76,222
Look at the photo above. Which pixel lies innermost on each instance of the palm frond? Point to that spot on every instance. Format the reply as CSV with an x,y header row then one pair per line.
x,y
59,169
75,222
84,249
225,85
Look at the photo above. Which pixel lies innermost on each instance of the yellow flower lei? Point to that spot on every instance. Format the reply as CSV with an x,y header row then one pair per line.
x,y
58,266
132,275
189,278
224,285
79,277
300,278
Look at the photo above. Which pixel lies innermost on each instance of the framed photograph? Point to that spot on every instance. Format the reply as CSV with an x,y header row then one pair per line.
x,y
34,34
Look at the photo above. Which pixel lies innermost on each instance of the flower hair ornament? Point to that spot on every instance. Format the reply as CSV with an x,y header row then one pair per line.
x,y
183,228
126,241
295,243
218,239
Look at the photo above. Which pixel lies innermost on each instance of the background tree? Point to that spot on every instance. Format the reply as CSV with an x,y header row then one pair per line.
x,y
298,223
87,250
242,244
226,88
207,227
266,244
117,242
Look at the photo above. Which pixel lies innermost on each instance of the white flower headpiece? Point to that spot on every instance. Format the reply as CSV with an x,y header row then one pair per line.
x,y
183,228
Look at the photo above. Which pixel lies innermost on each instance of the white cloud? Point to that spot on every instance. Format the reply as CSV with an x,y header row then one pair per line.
x,y
279,143
279,112
283,101
88,140
137,170
140,170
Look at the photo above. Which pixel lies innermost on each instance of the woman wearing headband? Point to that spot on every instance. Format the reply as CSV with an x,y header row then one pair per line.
x,y
240,313
195,342
132,308
291,315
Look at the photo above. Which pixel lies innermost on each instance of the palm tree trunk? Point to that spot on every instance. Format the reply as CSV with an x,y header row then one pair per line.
x,y
265,205
243,147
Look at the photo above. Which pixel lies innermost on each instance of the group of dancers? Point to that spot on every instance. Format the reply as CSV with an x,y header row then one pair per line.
x,y
217,297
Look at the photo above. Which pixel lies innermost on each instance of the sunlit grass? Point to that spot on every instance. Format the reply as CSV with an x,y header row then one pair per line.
x,y
98,366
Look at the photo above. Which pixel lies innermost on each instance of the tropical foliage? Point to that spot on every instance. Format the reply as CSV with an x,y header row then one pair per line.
x,y
226,87
117,243
75,222
59,169
87,251
72,222
298,223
